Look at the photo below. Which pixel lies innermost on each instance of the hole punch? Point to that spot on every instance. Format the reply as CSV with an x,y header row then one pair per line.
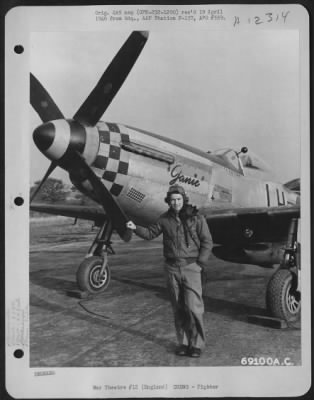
x,y
18,201
19,49
18,353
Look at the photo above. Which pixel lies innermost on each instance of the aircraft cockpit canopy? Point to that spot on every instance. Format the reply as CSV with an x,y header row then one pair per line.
x,y
229,156
251,160
248,160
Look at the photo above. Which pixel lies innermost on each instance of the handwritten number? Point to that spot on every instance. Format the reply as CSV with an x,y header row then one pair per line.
x,y
270,16
284,16
258,21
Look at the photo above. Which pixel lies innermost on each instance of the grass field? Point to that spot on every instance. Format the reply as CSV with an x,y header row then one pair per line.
x,y
60,230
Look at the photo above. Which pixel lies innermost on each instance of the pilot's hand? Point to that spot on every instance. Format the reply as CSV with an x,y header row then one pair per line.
x,y
131,225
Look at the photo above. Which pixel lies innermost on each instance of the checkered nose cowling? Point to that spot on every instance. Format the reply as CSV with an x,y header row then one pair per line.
x,y
58,139
112,162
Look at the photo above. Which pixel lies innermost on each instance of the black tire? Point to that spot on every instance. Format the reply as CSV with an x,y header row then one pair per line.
x,y
87,275
282,299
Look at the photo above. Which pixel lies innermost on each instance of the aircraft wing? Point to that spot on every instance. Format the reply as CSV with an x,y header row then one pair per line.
x,y
237,226
243,226
91,213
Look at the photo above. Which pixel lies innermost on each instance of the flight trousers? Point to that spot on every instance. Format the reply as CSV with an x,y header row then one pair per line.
x,y
185,290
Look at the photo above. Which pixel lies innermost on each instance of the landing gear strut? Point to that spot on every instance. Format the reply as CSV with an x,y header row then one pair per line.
x,y
283,297
93,274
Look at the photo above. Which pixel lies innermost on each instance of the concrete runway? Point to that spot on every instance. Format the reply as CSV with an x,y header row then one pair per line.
x,y
131,323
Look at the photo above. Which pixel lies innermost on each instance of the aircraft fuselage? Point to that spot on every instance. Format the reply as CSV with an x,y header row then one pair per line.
x,y
138,167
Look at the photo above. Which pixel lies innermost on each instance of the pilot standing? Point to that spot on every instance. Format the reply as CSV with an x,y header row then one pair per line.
x,y
187,245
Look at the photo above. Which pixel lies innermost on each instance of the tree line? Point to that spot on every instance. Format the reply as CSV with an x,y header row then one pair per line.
x,y
56,191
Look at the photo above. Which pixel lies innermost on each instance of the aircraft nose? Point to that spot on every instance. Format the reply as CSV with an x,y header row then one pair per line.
x,y
59,138
53,138
43,136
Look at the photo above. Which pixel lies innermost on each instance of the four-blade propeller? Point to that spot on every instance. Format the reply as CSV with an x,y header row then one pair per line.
x,y
88,115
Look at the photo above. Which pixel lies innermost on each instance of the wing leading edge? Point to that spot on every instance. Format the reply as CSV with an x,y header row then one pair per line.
x,y
239,226
91,213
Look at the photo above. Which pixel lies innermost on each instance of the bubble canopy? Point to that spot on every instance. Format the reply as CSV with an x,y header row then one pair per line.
x,y
248,160
251,160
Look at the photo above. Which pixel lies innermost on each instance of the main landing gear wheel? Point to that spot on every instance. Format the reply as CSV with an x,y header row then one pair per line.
x,y
89,277
282,298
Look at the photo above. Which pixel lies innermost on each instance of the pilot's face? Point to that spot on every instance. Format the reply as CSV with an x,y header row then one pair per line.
x,y
176,202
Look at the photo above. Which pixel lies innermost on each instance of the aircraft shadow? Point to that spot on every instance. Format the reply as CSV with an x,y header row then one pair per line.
x,y
224,307
43,279
236,311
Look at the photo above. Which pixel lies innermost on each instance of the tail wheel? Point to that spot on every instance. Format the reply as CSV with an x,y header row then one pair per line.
x,y
282,299
89,277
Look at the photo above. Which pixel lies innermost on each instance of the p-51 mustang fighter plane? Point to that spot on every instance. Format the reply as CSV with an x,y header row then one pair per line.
x,y
127,171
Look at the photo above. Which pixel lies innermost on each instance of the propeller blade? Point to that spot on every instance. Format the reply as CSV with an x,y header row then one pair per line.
x,y
112,79
42,102
51,168
110,205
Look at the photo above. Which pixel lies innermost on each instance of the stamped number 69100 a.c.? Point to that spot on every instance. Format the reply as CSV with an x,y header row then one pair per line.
x,y
268,361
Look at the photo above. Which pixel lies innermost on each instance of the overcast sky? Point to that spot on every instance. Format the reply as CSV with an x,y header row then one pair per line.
x,y
207,88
